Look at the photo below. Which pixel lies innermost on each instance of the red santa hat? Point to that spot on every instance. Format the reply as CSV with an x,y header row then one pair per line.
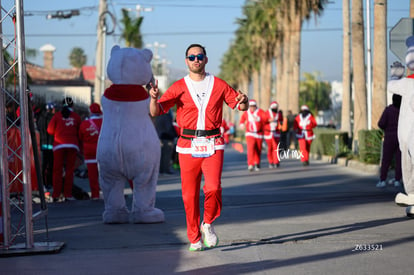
x,y
304,108
252,102
274,105
95,108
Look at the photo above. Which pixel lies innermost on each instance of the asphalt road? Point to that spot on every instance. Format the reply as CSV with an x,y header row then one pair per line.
x,y
319,219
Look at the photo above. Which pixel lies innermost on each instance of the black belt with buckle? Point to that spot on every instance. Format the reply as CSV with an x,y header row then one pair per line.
x,y
188,133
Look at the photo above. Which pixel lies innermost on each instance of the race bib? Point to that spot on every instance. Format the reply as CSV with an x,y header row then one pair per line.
x,y
202,147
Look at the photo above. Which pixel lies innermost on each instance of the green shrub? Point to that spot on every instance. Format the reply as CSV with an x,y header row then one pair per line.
x,y
370,142
330,142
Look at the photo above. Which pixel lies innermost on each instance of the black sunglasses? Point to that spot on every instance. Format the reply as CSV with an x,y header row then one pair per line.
x,y
192,57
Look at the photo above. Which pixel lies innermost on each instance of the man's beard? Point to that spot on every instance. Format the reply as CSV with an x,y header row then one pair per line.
x,y
197,70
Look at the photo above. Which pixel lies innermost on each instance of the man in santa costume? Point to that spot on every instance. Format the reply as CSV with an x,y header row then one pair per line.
x,y
253,122
64,127
199,98
303,125
88,135
272,126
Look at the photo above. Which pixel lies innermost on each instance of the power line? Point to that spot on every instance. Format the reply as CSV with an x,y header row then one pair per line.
x,y
171,33
180,5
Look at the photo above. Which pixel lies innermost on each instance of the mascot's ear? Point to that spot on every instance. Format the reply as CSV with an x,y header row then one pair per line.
x,y
115,48
409,57
114,63
147,53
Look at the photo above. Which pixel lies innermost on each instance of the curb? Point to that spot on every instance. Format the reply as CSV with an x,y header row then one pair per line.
x,y
354,164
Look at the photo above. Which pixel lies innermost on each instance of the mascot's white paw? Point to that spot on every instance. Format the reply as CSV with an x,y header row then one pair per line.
x,y
116,216
153,215
410,212
404,200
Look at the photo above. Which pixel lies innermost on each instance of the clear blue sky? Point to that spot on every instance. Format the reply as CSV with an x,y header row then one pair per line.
x,y
178,23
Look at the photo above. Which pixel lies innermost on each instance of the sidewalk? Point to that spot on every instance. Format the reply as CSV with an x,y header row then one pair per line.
x,y
320,219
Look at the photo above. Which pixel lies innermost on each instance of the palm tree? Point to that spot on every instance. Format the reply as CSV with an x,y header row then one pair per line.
x,y
278,56
258,32
379,74
269,35
248,34
132,30
77,57
358,61
315,93
283,93
295,28
346,67
263,27
300,10
236,67
292,13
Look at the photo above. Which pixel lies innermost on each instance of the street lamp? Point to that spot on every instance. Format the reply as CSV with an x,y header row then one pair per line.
x,y
63,14
140,8
156,45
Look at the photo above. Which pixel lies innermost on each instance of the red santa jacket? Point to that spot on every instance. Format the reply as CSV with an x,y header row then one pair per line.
x,y
304,126
65,130
88,135
254,122
273,124
192,115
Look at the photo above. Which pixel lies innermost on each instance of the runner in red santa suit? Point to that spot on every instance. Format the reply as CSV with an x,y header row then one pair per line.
x,y
253,122
224,130
64,126
273,123
199,98
89,134
303,125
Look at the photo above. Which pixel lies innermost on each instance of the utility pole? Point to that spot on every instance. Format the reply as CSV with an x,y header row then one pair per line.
x,y
369,65
100,52
412,8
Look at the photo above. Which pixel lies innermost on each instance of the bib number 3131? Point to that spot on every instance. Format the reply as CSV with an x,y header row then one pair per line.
x,y
202,147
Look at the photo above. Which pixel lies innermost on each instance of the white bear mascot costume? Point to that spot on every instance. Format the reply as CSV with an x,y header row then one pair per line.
x,y
405,88
128,146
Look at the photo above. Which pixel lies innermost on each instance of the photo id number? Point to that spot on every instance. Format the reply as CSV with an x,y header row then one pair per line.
x,y
367,247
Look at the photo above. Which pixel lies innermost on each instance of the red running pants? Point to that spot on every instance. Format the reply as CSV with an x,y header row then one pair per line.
x,y
65,157
192,170
304,146
254,150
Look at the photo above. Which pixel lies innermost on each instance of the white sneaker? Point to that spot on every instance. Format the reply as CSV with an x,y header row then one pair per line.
x,y
209,236
381,184
256,168
250,168
198,246
404,200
